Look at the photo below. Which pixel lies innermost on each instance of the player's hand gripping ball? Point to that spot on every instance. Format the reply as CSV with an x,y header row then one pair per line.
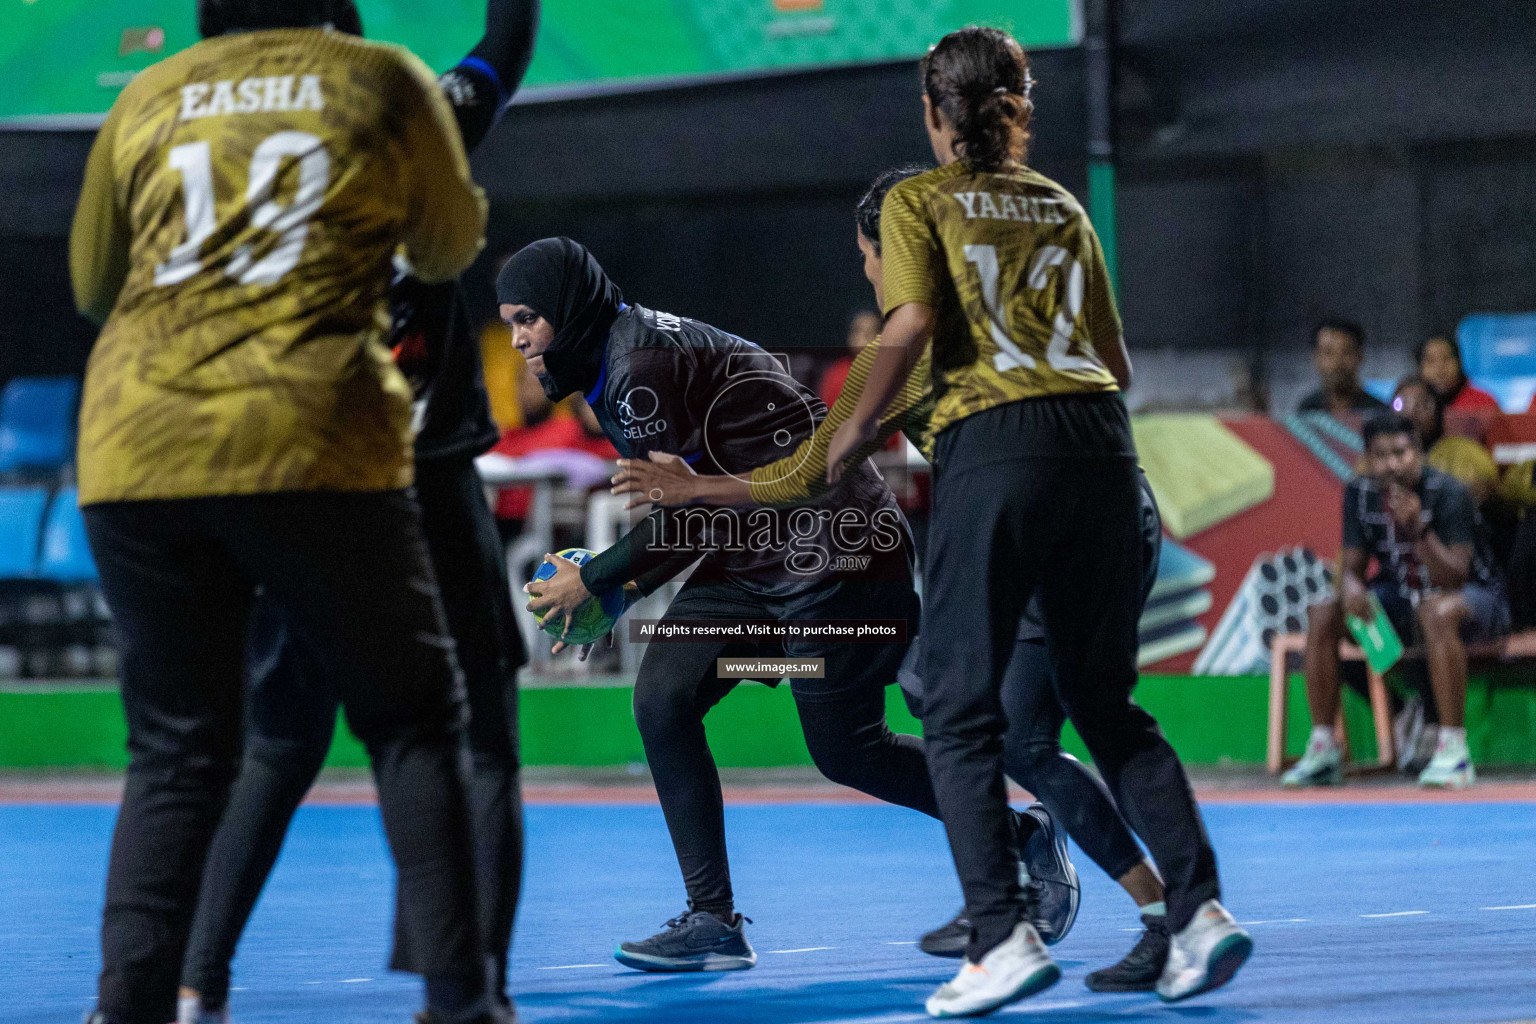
x,y
593,619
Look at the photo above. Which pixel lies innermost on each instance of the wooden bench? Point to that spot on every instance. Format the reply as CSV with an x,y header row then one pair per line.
x,y
1517,647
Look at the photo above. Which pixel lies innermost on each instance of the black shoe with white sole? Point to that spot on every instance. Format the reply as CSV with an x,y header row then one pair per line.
x,y
1054,888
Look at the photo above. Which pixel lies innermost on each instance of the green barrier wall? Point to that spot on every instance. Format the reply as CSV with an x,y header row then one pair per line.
x,y
1209,720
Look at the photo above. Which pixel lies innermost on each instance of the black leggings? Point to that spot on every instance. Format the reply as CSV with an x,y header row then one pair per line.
x,y
291,717
1032,757
843,717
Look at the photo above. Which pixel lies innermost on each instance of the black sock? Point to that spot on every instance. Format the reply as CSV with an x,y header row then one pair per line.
x,y
725,912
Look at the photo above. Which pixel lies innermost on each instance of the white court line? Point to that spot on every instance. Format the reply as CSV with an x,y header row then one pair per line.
x,y
1297,920
353,981
807,949
909,942
568,967
1517,906
1398,913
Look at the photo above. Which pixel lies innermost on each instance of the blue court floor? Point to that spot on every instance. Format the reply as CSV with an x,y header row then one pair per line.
x,y
1369,913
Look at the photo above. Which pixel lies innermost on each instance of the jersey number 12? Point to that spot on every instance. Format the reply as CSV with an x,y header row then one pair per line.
x,y
1058,351
291,222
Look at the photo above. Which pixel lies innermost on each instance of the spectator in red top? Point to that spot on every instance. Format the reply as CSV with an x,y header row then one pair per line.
x,y
1439,359
568,426
862,329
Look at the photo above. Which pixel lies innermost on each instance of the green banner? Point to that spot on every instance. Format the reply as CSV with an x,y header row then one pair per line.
x,y
71,57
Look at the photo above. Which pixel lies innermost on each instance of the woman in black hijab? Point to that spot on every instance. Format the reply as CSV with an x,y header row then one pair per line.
x,y
557,280
668,386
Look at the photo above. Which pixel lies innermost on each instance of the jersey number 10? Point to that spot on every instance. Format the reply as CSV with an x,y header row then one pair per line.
x,y
291,222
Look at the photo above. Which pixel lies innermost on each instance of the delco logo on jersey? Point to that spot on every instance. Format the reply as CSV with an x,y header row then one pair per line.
x,y
668,322
251,96
637,411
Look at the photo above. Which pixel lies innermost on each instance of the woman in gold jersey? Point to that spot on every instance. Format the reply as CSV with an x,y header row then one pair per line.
x,y
998,268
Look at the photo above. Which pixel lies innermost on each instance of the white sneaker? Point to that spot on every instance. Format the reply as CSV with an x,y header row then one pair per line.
x,y
1321,765
1016,969
189,1010
1204,955
1450,768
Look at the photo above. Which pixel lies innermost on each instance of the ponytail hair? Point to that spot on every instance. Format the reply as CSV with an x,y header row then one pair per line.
x,y
979,79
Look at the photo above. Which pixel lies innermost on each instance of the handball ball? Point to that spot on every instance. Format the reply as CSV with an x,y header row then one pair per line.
x,y
595,618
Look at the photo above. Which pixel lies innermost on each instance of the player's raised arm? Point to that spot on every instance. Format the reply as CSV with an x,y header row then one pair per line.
x,y
482,84
100,237
912,261
448,210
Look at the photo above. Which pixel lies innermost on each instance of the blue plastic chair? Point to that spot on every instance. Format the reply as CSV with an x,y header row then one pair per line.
x,y
1495,345
66,555
21,525
37,422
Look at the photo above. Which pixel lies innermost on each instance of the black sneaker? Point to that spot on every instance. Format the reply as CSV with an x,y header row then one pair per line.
x,y
949,940
695,941
1142,966
1050,887
1053,889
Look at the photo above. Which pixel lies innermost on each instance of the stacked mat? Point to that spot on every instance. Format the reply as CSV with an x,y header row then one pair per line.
x,y
1273,599
1202,473
1178,598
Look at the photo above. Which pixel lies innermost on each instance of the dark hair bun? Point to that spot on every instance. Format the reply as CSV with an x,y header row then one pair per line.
x,y
979,79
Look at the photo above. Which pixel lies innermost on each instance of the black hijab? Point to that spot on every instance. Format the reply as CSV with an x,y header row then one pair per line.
x,y
559,280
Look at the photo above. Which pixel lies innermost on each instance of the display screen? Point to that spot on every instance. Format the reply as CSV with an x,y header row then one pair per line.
x,y
72,57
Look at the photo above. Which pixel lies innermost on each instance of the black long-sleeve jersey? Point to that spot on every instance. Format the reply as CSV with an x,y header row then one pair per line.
x,y
432,332
670,384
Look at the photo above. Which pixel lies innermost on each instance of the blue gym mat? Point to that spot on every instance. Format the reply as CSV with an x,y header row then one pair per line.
x,y
1369,913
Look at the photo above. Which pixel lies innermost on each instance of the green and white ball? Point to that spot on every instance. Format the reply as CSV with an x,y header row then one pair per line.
x,y
595,618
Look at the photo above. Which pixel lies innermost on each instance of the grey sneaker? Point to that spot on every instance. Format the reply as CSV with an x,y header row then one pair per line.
x,y
1407,727
1424,749
694,941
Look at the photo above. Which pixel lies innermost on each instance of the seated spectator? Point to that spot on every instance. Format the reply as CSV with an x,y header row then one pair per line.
x,y
1460,457
862,329
1338,347
1439,362
1435,581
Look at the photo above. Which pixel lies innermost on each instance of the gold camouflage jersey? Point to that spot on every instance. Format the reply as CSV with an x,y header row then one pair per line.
x,y
241,207
1014,272
801,476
